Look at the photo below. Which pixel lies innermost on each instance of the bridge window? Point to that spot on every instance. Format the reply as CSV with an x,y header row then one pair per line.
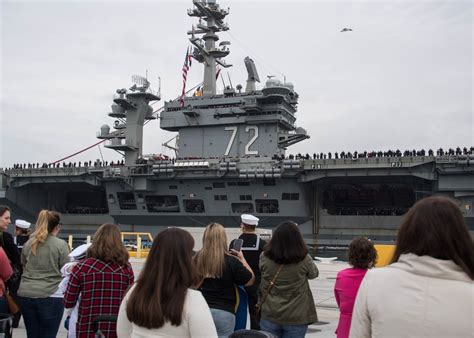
x,y
194,206
220,197
126,200
243,183
290,196
267,206
173,187
218,184
242,208
245,197
162,203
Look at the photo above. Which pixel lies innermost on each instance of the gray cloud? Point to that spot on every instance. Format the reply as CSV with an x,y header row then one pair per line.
x,y
402,79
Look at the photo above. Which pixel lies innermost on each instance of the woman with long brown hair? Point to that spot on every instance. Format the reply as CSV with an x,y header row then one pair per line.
x,y
162,303
219,271
43,256
430,280
286,301
101,280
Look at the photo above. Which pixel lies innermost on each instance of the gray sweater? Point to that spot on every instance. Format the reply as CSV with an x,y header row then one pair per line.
x,y
42,272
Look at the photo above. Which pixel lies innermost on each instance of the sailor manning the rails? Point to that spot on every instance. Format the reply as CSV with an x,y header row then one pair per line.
x,y
252,247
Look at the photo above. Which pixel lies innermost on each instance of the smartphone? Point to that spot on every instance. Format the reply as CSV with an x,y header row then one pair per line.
x,y
237,244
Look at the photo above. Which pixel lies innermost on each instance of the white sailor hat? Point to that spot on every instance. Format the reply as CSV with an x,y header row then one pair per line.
x,y
22,224
249,219
79,252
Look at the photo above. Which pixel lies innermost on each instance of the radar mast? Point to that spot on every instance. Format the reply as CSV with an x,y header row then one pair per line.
x,y
205,50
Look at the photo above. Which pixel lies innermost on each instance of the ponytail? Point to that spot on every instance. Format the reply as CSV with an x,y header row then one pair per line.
x,y
47,221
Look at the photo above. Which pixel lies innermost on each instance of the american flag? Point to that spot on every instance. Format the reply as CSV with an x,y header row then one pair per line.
x,y
186,66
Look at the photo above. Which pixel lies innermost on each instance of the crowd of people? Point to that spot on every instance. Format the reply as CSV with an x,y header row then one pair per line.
x,y
80,164
184,293
380,153
299,156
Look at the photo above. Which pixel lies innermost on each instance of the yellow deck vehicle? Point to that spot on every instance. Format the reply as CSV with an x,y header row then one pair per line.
x,y
138,244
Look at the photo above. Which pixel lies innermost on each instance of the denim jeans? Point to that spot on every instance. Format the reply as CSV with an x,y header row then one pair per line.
x,y
283,331
42,316
224,322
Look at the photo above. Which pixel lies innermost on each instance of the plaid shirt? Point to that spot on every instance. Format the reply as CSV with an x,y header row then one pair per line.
x,y
102,287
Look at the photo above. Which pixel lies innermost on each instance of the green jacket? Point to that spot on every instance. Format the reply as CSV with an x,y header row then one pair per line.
x,y
290,301
42,272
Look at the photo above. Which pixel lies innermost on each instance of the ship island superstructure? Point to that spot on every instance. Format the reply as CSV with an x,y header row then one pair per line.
x,y
231,159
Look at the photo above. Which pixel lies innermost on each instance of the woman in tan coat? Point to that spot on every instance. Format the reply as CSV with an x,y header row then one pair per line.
x,y
428,290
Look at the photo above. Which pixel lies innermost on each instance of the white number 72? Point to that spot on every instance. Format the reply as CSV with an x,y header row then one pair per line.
x,y
247,146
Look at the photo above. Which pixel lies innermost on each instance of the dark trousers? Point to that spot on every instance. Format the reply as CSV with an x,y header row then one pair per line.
x,y
252,294
13,291
42,316
4,305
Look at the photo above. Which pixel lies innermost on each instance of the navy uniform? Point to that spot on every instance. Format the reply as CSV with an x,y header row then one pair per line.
x,y
22,233
252,247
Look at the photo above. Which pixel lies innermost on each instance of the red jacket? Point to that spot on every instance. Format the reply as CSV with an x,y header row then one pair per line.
x,y
5,270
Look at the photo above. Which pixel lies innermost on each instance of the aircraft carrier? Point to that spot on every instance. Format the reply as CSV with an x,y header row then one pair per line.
x,y
231,157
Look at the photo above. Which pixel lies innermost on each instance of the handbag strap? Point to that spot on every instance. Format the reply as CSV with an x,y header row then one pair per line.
x,y
272,282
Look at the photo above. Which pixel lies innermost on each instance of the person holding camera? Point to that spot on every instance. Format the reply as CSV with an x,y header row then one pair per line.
x,y
219,270
252,247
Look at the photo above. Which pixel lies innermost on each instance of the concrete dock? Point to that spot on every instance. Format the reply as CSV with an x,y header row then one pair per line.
x,y
321,287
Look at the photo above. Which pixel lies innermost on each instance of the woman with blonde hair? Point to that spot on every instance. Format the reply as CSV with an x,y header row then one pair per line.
x,y
43,256
161,303
219,271
430,280
101,280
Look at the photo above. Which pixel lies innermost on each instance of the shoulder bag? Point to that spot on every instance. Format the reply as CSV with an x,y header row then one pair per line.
x,y
258,307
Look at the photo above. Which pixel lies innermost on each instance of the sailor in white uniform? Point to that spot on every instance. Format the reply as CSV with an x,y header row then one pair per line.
x,y
22,233
252,247
76,255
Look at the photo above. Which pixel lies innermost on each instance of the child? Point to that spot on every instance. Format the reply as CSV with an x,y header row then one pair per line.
x,y
76,255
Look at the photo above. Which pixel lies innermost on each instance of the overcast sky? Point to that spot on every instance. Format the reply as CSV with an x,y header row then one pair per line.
x,y
401,79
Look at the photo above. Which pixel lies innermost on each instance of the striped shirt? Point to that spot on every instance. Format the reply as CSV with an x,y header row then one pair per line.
x,y
102,287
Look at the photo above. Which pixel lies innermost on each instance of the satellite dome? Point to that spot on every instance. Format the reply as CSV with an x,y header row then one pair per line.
x,y
104,130
271,82
301,131
290,86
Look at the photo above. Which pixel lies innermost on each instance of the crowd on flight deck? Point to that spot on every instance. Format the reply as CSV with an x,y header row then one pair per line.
x,y
343,155
425,291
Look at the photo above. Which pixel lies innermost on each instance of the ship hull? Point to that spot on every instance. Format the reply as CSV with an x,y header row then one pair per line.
x,y
332,204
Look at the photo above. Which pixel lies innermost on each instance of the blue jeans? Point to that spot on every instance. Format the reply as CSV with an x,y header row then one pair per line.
x,y
224,322
283,331
42,316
